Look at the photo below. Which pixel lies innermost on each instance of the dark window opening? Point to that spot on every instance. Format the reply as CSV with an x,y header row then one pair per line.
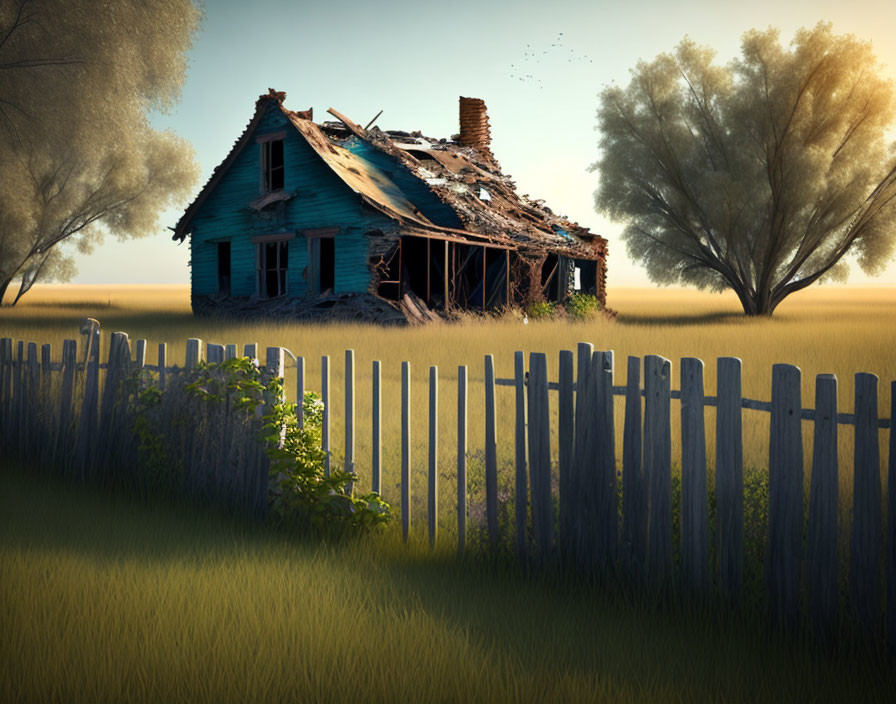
x,y
327,264
273,258
389,284
273,165
551,278
587,276
224,268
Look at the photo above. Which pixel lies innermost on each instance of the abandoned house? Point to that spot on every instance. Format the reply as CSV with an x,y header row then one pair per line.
x,y
335,220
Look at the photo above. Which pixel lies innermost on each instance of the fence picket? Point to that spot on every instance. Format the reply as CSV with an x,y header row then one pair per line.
x,y
18,392
658,466
785,502
325,422
229,352
433,483
69,367
891,525
87,422
540,455
461,459
300,391
566,450
585,475
45,378
194,353
31,399
634,481
250,350
405,449
5,389
491,453
214,353
821,552
376,430
521,493
140,359
349,416
163,360
694,500
866,540
730,477
607,526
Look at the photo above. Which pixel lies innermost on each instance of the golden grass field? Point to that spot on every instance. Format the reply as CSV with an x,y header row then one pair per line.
x,y
103,599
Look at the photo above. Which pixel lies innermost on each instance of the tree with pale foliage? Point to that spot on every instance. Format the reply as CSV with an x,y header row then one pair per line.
x,y
78,157
758,176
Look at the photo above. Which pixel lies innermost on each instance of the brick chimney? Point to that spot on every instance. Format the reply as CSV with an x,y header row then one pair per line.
x,y
474,128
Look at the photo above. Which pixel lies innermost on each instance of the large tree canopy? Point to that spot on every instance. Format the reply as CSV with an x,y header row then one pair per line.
x,y
757,176
78,157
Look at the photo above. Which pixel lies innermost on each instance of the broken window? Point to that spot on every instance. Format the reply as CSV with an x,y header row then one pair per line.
x,y
224,268
271,265
322,256
272,165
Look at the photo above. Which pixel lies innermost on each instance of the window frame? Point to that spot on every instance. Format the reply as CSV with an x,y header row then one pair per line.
x,y
265,142
281,264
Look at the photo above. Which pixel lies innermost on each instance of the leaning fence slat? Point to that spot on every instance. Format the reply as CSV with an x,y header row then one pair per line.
x,y
349,415
491,453
865,544
891,525
300,391
405,449
821,551
658,465
140,354
163,357
785,520
433,483
325,422
540,455
520,444
730,477
634,483
607,525
461,459
694,501
566,449
194,352
376,430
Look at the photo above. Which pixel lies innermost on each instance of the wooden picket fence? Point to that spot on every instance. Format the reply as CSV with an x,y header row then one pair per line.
x,y
595,523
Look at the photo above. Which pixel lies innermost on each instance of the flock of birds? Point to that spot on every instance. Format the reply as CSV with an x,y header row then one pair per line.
x,y
525,71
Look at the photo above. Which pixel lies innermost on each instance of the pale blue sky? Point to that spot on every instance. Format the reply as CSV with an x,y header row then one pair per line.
x,y
413,59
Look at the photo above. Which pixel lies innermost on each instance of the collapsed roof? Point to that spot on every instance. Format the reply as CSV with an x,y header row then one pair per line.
x,y
461,172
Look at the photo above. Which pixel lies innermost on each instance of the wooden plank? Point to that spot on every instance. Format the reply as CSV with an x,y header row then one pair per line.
x,y
491,453
250,350
376,430
730,478
349,416
69,366
821,553
566,451
521,502
540,455
31,445
658,467
194,353
215,353
865,549
433,484
607,491
785,520
163,370
46,418
140,359
634,482
325,399
229,352
300,391
5,388
891,526
580,543
405,449
694,499
19,409
45,378
461,459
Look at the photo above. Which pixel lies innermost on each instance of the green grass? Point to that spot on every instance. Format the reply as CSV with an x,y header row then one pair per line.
x,y
105,599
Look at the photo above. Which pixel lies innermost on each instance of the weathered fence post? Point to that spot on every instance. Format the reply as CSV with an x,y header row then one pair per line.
x,y
112,406
730,477
163,360
405,449
325,422
634,482
491,454
433,483
87,422
785,520
300,391
214,353
45,378
891,525
461,459
5,389
866,541
821,552
250,350
376,430
194,352
229,352
140,359
349,416
520,444
581,538
658,467
566,451
18,398
540,455
694,500
31,440
607,526
44,416
69,367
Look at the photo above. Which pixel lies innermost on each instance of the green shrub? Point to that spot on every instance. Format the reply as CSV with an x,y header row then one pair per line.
x,y
541,310
582,306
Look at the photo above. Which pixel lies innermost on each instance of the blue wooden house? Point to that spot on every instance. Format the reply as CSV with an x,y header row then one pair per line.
x,y
335,220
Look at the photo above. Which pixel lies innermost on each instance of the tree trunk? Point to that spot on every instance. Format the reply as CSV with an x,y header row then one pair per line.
x,y
3,286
